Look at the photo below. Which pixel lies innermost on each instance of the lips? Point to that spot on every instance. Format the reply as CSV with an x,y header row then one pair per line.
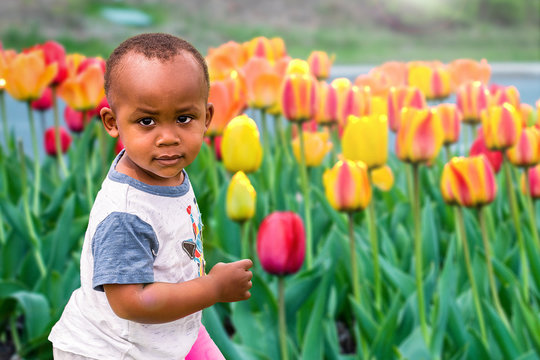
x,y
168,159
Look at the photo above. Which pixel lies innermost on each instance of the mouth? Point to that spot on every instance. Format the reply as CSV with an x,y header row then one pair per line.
x,y
168,159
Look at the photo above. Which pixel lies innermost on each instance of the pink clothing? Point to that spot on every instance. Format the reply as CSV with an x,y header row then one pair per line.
x,y
204,348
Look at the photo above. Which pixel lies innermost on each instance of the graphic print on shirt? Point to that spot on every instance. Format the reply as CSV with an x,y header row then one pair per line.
x,y
194,248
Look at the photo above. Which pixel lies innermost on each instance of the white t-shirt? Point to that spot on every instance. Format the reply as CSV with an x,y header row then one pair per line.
x,y
137,233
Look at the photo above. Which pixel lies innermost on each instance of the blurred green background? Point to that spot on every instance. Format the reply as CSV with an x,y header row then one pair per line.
x,y
358,32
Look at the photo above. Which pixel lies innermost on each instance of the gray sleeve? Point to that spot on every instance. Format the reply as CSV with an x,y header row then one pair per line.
x,y
124,248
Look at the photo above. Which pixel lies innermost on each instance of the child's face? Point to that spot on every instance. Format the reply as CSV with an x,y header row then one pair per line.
x,y
160,114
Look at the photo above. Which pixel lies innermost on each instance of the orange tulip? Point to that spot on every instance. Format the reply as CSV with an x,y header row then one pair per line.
x,y
451,122
279,48
526,152
377,82
6,56
502,127
224,59
472,181
316,146
347,186
299,97
229,99
400,97
471,99
394,72
85,90
263,83
463,71
534,182
27,75
327,107
420,136
320,64
433,80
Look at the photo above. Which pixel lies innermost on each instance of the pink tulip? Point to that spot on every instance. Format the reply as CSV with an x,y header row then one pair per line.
x,y
281,243
73,119
44,102
494,157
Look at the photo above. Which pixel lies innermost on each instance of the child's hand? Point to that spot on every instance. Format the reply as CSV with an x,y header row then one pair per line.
x,y
232,280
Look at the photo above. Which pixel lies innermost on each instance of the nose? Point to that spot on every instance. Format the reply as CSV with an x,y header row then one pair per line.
x,y
168,136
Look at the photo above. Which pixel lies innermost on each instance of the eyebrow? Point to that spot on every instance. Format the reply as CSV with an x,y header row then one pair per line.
x,y
146,111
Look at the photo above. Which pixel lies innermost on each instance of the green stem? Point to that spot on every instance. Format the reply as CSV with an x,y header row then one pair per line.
x,y
34,240
448,152
374,250
213,167
266,141
268,162
89,186
37,166
307,202
14,333
102,145
491,275
3,112
354,267
418,252
282,322
334,131
460,224
245,240
57,140
530,210
515,217
282,137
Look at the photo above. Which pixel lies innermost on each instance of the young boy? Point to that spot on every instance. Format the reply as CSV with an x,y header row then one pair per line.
x,y
143,283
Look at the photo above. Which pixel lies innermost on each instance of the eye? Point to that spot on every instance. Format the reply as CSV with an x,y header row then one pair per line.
x,y
184,119
146,122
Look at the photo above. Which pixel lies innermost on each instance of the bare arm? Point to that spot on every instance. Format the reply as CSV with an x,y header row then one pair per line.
x,y
163,302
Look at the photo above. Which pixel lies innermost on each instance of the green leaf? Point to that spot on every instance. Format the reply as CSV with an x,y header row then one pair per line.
x,y
61,244
403,281
383,344
430,237
300,287
504,338
414,347
35,308
218,334
336,217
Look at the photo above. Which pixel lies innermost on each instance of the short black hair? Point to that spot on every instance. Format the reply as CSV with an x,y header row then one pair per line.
x,y
153,46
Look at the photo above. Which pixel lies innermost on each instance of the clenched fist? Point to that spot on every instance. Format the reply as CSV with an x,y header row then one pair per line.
x,y
232,281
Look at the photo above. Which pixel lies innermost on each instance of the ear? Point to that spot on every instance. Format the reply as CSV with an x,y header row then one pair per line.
x,y
109,121
209,114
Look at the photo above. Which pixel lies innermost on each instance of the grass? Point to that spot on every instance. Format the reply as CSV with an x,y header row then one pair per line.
x,y
353,43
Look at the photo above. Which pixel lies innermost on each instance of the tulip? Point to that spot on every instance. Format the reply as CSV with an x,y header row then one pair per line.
x,y
401,97
298,66
224,59
433,80
463,71
260,46
6,57
504,94
394,73
241,147
420,135
494,157
377,82
472,181
55,54
451,122
45,102
316,146
366,139
84,91
357,102
328,102
229,98
278,47
299,97
240,205
263,83
49,140
533,182
471,99
446,186
527,114
502,126
347,186
382,178
74,119
73,61
320,64
526,152
281,249
27,75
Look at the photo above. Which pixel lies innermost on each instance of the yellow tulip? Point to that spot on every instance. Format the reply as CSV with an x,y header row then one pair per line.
x,y
366,139
27,75
382,178
241,148
241,196
502,126
298,66
432,79
316,146
420,136
347,186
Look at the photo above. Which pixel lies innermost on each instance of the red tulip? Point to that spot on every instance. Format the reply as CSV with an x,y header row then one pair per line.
x,y
55,53
281,243
73,119
119,146
534,181
65,140
44,102
478,147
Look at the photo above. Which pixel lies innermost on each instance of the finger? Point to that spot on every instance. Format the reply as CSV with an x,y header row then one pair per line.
x,y
246,263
